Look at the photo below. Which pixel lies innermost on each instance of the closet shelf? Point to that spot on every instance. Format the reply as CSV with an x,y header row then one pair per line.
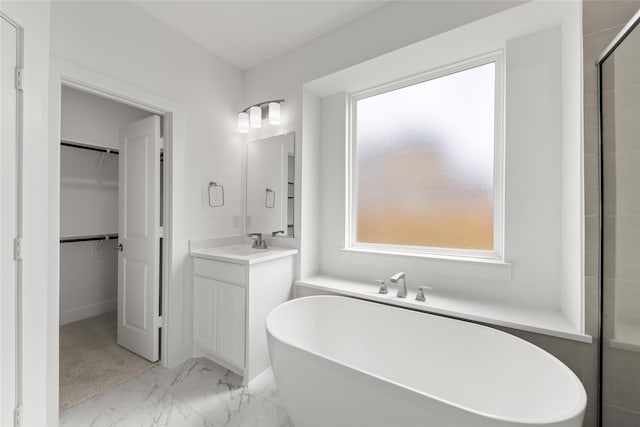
x,y
70,239
84,182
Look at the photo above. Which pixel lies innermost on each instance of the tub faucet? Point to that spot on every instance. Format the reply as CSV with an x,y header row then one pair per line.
x,y
402,289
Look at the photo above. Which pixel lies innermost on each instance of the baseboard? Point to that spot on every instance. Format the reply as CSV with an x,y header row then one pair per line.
x,y
201,351
76,314
254,383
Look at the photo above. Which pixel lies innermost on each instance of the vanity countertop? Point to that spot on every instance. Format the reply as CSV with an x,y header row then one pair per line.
x,y
242,254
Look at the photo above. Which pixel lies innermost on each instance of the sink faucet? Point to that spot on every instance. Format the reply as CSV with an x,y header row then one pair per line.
x,y
258,241
402,289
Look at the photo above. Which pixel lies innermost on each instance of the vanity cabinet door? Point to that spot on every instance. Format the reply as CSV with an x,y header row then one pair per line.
x,y
205,292
231,323
219,318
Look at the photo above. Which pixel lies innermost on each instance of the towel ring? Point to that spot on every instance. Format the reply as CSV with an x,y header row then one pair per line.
x,y
212,186
270,204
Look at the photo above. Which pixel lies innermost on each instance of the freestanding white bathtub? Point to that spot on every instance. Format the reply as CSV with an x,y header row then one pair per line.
x,y
342,362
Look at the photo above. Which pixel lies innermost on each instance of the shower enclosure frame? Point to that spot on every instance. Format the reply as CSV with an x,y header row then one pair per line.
x,y
617,41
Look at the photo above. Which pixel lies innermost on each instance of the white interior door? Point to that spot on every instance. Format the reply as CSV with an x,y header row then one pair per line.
x,y
139,235
9,204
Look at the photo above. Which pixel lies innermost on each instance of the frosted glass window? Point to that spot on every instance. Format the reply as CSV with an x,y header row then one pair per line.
x,y
424,163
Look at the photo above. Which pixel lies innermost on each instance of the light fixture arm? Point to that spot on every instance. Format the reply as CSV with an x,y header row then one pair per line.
x,y
262,105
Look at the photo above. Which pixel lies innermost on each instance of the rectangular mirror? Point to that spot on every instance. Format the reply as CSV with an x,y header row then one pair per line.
x,y
270,185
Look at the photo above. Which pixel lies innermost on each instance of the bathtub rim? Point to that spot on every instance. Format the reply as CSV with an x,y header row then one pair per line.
x,y
573,412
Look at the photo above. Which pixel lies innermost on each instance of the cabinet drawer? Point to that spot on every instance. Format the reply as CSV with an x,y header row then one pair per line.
x,y
223,271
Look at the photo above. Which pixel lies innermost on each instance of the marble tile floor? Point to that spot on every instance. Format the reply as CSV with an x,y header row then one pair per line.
x,y
196,393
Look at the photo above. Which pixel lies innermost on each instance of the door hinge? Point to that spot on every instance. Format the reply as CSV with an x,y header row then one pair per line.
x,y
17,249
17,416
161,143
160,322
19,78
160,232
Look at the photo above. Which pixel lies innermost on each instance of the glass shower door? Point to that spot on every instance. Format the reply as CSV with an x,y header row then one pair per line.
x,y
619,92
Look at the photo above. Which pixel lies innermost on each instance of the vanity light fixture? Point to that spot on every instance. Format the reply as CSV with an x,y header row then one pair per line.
x,y
253,115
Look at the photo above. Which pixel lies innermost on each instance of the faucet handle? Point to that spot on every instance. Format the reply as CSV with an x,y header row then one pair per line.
x,y
420,295
258,242
383,286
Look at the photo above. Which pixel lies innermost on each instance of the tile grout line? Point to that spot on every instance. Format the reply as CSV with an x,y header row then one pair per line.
x,y
622,408
271,401
602,30
204,419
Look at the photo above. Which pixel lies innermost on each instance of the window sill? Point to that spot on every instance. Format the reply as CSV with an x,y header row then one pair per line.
x,y
469,267
540,321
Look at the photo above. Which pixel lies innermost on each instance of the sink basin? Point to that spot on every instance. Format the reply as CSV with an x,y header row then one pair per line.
x,y
242,254
242,250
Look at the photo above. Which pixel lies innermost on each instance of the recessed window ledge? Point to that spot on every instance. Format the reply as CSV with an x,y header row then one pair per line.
x,y
540,321
460,266
436,256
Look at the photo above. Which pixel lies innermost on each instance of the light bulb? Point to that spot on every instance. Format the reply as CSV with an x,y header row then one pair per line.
x,y
255,117
243,122
274,113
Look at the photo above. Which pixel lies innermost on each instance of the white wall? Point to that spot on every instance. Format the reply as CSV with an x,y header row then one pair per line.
x,y
88,206
572,296
88,192
34,18
88,279
94,120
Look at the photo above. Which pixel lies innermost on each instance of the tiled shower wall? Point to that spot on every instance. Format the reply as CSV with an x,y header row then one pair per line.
x,y
601,22
621,367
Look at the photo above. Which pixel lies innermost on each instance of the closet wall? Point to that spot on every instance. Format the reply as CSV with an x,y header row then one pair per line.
x,y
89,203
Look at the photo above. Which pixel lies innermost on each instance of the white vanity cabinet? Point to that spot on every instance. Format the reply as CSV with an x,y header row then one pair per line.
x,y
234,289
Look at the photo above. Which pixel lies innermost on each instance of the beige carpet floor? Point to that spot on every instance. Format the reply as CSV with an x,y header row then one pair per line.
x,y
91,362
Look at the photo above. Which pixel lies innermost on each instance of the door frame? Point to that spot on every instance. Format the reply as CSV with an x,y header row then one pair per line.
x,y
16,324
173,350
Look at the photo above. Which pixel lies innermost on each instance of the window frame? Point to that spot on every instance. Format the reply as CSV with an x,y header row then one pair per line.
x,y
497,254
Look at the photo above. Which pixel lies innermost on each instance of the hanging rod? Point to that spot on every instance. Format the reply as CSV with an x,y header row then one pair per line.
x,y
88,238
84,146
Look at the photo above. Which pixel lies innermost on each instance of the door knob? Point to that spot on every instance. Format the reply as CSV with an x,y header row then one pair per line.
x,y
119,247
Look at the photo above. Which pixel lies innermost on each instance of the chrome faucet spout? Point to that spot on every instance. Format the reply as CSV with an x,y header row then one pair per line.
x,y
258,241
402,288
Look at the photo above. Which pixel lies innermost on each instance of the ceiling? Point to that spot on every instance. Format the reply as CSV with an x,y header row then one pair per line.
x,y
247,33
